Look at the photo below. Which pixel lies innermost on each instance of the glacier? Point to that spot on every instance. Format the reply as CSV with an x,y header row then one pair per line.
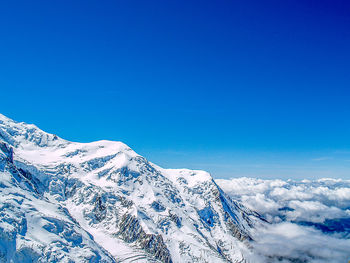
x,y
65,201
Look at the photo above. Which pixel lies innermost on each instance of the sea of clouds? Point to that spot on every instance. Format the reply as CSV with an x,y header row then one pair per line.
x,y
310,220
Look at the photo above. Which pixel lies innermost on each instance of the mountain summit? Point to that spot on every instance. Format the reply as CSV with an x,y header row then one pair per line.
x,y
64,201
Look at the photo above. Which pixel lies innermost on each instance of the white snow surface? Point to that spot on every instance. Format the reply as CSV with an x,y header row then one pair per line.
x,y
65,201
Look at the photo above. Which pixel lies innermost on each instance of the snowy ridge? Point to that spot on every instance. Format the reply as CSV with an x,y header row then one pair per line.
x,y
106,199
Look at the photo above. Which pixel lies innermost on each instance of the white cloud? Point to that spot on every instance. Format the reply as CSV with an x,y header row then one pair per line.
x,y
288,242
297,211
326,158
323,198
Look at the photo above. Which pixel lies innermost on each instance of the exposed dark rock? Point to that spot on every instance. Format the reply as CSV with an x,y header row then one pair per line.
x,y
7,150
231,218
175,219
99,209
236,231
131,231
125,202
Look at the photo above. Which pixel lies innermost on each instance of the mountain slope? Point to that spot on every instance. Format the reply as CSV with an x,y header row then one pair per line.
x,y
102,201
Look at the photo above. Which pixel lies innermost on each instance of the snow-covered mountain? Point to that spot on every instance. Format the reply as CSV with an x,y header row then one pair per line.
x,y
64,201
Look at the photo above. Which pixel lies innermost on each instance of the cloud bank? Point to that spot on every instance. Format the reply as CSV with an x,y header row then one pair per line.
x,y
310,219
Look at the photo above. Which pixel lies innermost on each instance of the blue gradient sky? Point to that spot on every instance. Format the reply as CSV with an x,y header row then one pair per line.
x,y
238,88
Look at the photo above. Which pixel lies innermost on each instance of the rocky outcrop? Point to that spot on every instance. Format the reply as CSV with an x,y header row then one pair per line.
x,y
7,150
131,231
99,209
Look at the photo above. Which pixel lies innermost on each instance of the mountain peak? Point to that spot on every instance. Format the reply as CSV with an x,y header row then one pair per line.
x,y
130,206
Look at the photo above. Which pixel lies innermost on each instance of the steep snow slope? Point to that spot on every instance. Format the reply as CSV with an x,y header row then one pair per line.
x,y
32,228
102,201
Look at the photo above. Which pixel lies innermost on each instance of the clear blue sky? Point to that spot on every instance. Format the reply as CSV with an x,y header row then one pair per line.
x,y
238,88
